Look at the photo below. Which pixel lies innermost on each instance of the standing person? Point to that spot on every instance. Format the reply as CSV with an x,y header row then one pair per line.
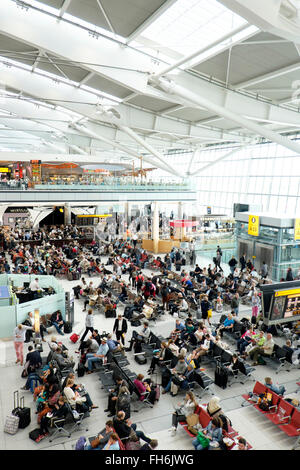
x,y
19,339
289,275
235,302
232,264
264,270
218,259
165,293
205,306
89,323
255,302
243,262
120,328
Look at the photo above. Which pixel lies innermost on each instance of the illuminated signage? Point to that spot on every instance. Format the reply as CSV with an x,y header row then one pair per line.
x,y
253,225
297,230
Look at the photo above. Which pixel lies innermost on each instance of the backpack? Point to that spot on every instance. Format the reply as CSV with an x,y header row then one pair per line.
x,y
80,444
36,435
265,401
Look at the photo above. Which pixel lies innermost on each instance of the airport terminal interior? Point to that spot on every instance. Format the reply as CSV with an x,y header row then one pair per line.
x,y
150,225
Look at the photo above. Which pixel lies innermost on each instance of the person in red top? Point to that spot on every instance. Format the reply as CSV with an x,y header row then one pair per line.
x,y
245,339
143,388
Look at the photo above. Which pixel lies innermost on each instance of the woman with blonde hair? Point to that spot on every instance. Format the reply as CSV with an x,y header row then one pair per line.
x,y
184,409
213,407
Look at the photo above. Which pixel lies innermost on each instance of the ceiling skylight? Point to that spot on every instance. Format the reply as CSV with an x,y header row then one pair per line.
x,y
189,25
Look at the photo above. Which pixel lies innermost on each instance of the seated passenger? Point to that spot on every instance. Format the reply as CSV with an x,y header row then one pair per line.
x,y
279,390
143,387
103,437
139,337
99,356
213,432
184,409
265,350
56,320
228,324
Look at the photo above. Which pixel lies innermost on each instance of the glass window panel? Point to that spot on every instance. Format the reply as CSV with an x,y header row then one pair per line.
x,y
281,208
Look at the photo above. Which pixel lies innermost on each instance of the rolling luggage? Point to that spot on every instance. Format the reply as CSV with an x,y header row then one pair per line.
x,y
80,370
23,413
67,327
221,376
140,359
11,424
12,421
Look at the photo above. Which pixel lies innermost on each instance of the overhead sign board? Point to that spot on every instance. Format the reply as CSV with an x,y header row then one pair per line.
x,y
253,225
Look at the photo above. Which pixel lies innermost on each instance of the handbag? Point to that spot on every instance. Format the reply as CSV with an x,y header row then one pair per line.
x,y
202,439
209,313
95,442
192,421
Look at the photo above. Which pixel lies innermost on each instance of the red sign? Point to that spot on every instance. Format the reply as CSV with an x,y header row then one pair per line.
x,y
184,223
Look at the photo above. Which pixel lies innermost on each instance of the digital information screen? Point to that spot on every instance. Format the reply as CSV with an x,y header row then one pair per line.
x,y
286,304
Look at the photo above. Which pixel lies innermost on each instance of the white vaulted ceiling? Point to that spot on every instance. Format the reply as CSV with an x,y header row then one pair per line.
x,y
65,63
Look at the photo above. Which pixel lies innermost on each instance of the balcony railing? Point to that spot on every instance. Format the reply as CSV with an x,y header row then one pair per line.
x,y
104,187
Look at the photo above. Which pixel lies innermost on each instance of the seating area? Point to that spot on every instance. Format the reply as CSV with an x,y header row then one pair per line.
x,y
201,380
280,412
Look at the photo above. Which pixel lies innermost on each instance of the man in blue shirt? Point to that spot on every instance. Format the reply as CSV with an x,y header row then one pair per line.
x,y
113,345
227,324
99,356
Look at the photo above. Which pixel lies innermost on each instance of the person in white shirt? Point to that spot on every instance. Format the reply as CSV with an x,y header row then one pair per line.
x,y
89,323
142,335
19,338
34,285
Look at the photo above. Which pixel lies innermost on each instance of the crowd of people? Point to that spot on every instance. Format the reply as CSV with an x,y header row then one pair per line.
x,y
150,284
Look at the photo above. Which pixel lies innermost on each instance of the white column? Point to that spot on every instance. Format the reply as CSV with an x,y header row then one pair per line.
x,y
155,227
67,213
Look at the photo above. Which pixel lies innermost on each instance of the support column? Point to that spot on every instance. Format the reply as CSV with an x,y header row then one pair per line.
x,y
180,231
155,227
67,213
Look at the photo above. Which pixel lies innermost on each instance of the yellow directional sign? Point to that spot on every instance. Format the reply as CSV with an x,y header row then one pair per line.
x,y
94,215
253,225
282,293
297,230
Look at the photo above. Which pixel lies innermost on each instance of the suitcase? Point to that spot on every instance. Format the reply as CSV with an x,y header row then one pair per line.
x,y
74,338
80,370
11,425
36,435
67,327
140,359
221,376
22,412
75,276
110,313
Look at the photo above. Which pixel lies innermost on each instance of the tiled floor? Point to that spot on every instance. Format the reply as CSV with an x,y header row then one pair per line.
x,y
155,422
